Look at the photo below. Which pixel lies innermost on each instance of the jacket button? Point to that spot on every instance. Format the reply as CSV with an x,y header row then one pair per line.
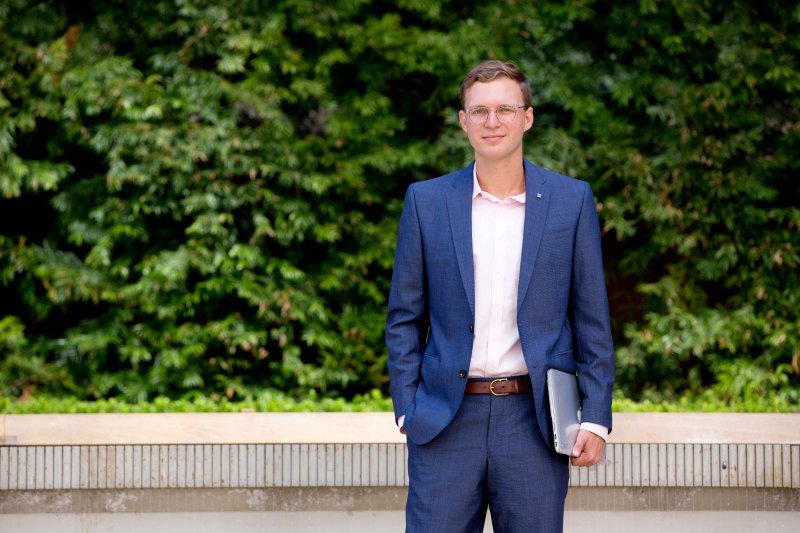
x,y
471,328
462,373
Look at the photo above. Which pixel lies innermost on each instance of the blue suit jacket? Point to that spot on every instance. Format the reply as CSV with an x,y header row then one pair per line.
x,y
562,307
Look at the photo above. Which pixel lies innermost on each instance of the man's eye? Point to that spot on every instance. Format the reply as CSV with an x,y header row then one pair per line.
x,y
505,109
478,111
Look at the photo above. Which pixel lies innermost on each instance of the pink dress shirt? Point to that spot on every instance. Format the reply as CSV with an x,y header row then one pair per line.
x,y
497,228
497,232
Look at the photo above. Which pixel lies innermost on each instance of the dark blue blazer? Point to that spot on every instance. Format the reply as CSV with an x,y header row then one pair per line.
x,y
562,307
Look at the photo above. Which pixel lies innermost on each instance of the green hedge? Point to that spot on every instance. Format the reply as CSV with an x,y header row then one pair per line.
x,y
276,401
266,401
202,197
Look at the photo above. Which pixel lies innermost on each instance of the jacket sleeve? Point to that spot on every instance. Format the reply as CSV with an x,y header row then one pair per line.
x,y
594,353
407,319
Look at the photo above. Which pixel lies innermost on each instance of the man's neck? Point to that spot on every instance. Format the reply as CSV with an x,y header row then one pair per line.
x,y
501,179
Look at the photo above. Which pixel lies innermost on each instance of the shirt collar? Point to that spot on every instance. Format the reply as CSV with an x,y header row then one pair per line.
x,y
477,191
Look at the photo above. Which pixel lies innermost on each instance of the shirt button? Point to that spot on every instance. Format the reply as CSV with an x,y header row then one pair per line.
x,y
462,373
471,328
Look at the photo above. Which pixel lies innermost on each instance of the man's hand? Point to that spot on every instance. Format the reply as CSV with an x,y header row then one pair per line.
x,y
402,430
588,449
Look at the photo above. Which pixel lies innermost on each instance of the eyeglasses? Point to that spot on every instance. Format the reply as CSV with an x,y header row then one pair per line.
x,y
504,113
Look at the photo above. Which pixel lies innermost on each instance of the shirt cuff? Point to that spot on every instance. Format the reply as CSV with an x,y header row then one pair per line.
x,y
403,419
597,429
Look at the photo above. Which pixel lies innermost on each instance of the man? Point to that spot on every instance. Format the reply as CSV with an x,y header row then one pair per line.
x,y
497,278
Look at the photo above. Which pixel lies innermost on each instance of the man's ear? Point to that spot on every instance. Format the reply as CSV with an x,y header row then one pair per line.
x,y
462,118
528,118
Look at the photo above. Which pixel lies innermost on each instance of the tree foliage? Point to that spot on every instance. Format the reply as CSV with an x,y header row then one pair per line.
x,y
203,196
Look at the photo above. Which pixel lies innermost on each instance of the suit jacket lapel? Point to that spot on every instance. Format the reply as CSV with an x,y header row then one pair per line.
x,y
537,202
459,207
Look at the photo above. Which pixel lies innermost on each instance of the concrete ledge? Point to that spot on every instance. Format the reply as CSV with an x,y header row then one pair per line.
x,y
359,428
198,428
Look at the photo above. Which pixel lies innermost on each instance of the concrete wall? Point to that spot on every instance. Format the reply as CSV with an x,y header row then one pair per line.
x,y
346,472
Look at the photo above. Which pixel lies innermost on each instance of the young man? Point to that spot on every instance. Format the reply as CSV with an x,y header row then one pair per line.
x,y
497,278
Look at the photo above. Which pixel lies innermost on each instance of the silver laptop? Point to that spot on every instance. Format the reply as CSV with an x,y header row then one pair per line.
x,y
565,409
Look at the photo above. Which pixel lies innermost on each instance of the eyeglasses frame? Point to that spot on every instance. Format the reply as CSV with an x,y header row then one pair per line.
x,y
491,110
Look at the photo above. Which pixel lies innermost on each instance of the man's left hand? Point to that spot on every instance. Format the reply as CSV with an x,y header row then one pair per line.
x,y
588,449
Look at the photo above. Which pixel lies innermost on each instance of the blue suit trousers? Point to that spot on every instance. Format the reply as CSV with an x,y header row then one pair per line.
x,y
492,454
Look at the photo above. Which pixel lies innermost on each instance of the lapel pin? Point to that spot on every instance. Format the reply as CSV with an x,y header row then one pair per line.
x,y
538,195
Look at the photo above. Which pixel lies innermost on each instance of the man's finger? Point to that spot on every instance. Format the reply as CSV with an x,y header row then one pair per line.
x,y
580,442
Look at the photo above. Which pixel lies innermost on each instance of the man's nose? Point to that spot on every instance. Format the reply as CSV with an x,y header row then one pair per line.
x,y
492,120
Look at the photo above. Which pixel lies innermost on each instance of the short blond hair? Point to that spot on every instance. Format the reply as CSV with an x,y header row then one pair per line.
x,y
492,69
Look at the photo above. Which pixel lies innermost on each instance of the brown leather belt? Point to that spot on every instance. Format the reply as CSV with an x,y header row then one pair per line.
x,y
498,387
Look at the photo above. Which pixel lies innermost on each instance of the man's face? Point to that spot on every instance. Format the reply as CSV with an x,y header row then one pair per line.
x,y
494,140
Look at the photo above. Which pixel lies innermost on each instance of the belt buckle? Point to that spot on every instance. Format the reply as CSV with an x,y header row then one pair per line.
x,y
491,387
